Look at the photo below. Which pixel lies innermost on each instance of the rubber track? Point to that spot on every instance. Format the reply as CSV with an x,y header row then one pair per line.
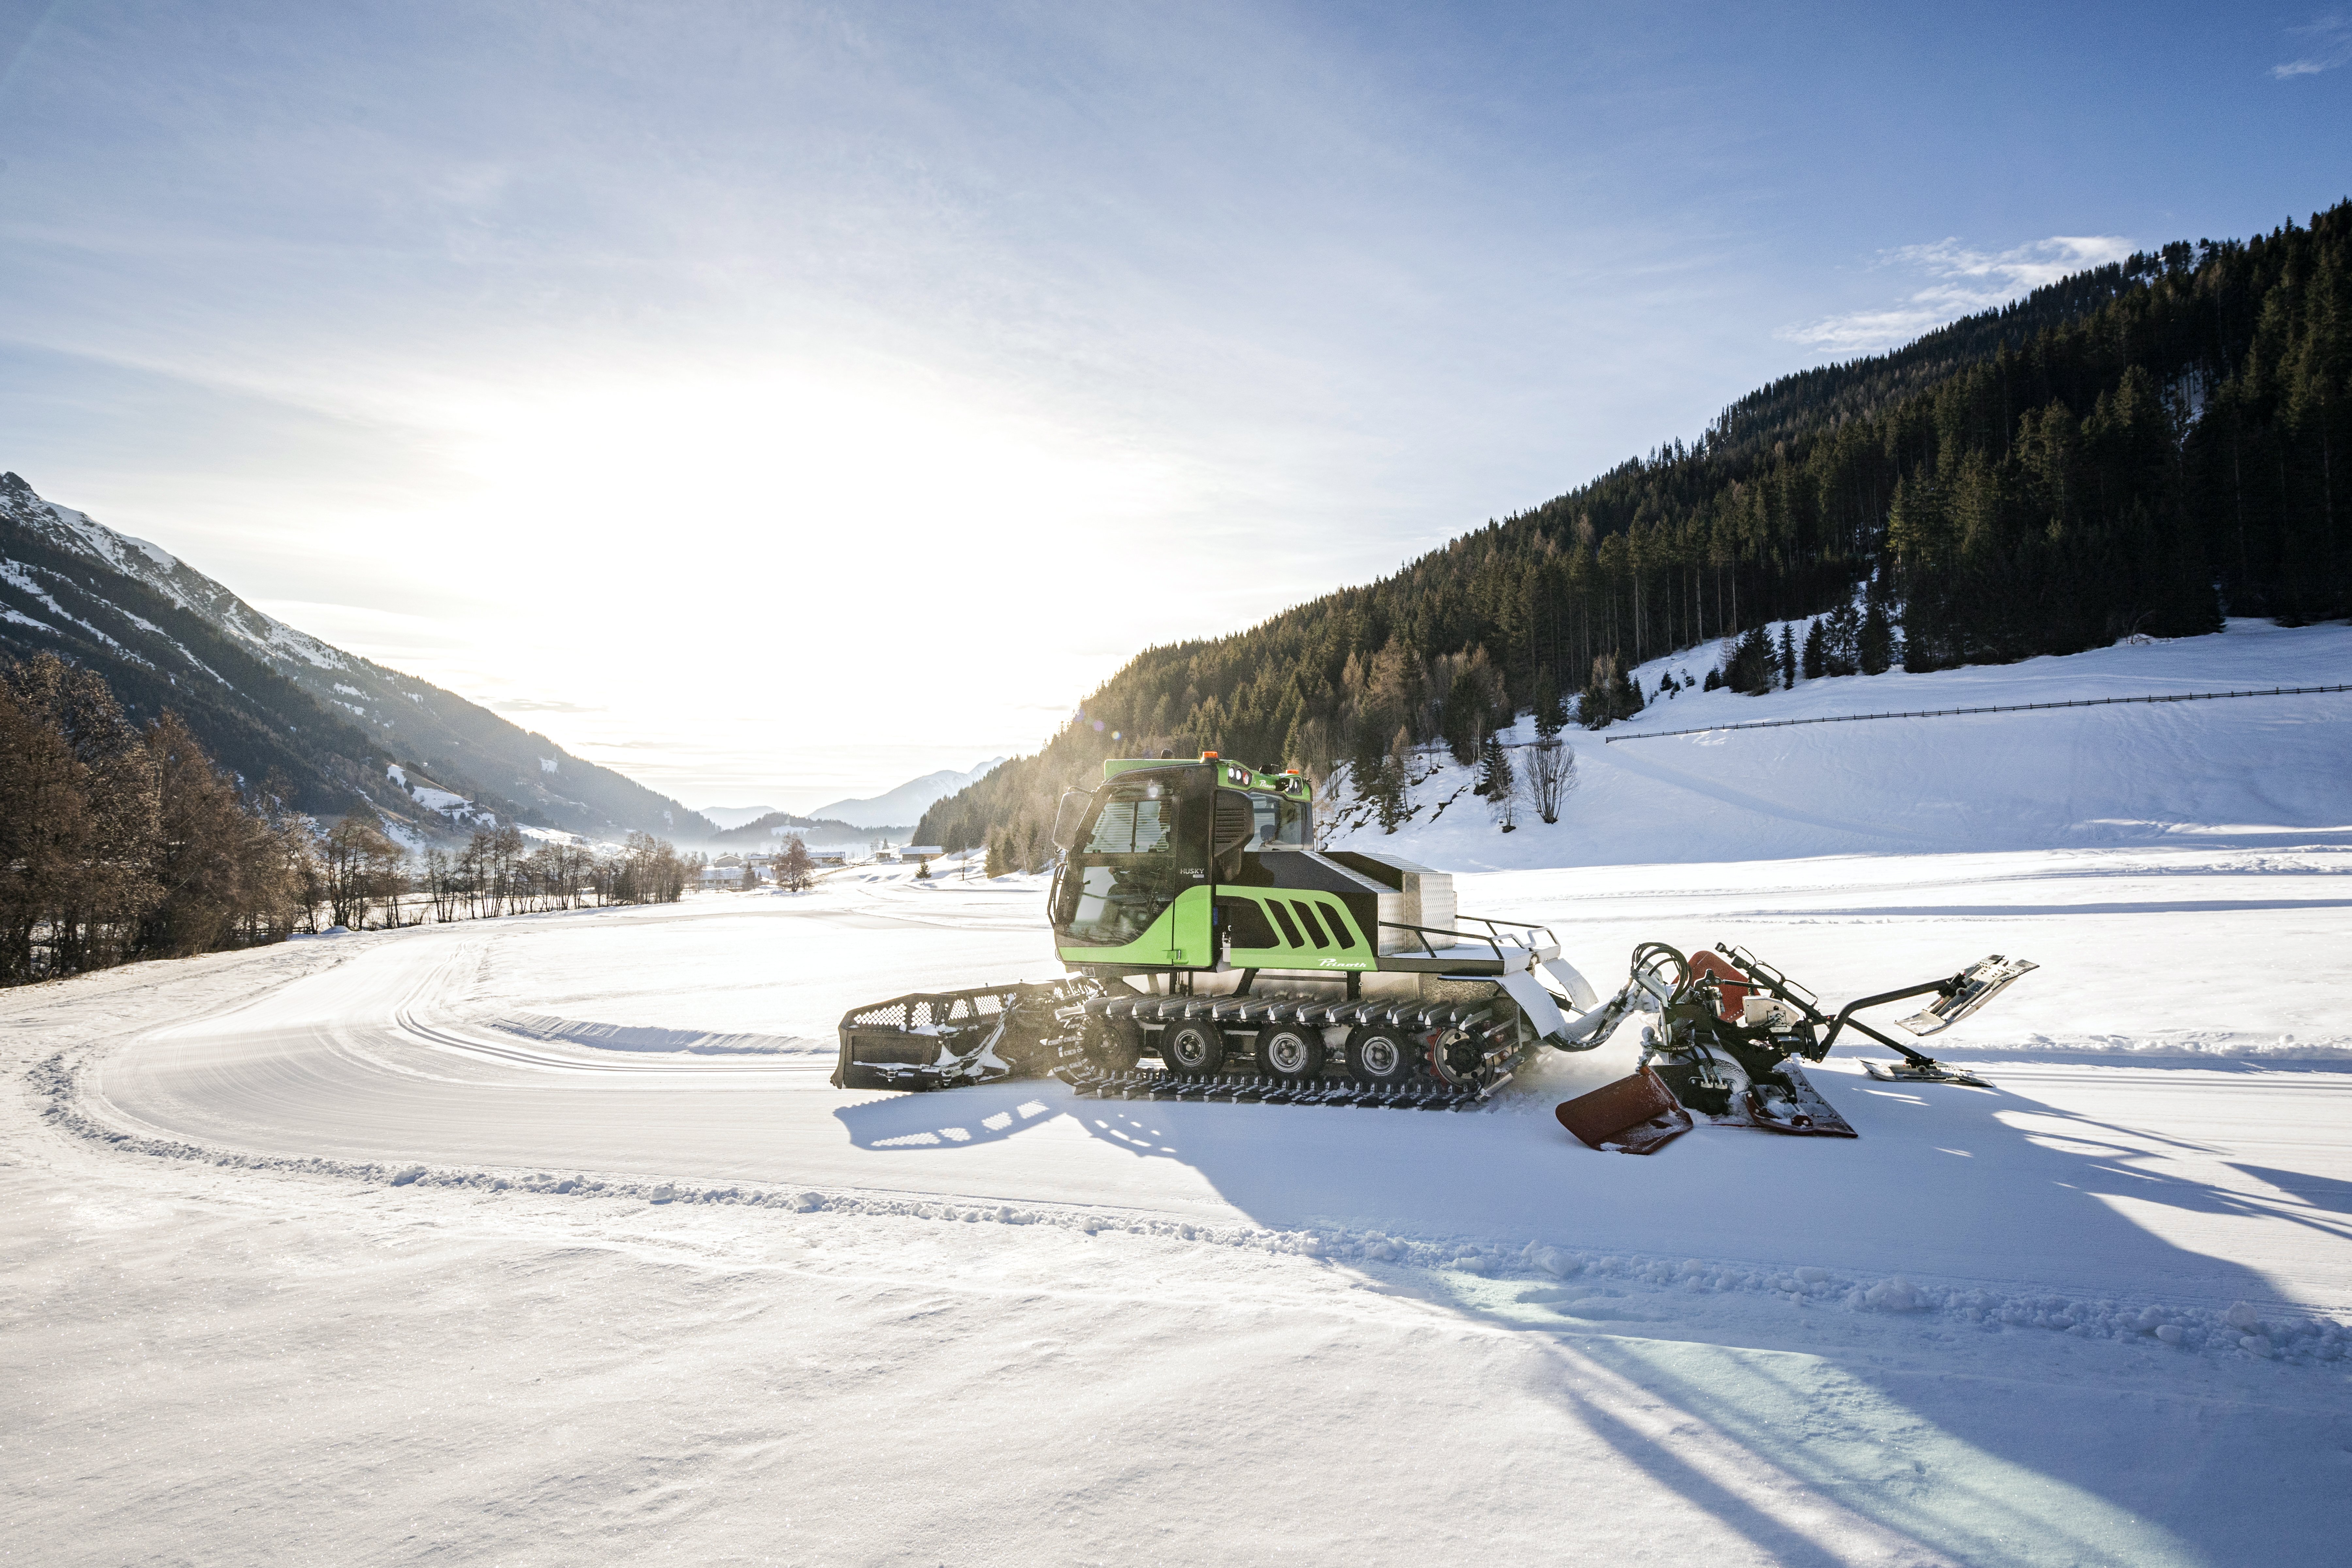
x,y
1417,1094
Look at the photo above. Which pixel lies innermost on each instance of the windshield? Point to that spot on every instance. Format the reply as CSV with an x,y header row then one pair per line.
x,y
1146,842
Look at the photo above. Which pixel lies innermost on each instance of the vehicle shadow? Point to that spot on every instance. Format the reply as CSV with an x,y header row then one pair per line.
x,y
984,1113
2008,1188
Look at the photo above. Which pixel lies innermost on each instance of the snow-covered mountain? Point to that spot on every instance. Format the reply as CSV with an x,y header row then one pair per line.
x,y
726,816
267,698
905,803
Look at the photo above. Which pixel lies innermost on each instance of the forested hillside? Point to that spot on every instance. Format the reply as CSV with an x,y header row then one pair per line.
x,y
2138,447
267,699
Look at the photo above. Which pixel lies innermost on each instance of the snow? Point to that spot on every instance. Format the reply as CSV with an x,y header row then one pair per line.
x,y
2244,774
544,1239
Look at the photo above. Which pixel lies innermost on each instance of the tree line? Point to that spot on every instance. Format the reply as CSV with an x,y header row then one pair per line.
x,y
121,842
2140,448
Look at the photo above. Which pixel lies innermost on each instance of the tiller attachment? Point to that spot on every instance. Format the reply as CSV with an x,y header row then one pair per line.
x,y
942,1039
1730,1030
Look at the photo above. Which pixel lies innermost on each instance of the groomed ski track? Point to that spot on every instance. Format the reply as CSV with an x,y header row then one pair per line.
x,y
2079,1171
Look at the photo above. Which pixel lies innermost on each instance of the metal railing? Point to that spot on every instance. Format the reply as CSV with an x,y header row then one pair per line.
x,y
1495,937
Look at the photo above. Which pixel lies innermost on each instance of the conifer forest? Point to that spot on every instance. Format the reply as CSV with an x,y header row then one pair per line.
x,y
2138,448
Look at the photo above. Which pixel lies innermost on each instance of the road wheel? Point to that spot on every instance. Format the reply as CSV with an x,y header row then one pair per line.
x,y
1115,1043
1192,1047
1382,1052
1291,1053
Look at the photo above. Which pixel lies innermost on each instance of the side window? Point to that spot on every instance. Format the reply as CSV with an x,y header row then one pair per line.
x,y
1279,822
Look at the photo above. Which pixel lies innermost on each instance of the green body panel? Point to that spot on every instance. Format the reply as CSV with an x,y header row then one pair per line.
x,y
1179,939
1330,913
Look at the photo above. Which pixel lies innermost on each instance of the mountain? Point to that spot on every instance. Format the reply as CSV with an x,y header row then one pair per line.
x,y
908,802
726,816
339,731
2129,450
763,832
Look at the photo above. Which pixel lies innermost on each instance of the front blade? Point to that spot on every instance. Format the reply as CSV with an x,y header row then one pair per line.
x,y
1636,1115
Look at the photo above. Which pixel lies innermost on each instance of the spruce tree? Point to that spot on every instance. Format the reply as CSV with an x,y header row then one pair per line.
x,y
1749,667
1495,779
1875,644
1551,715
1395,791
1813,664
1625,696
1596,705
1788,658
1461,718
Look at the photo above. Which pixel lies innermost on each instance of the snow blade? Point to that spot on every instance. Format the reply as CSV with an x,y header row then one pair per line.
x,y
1636,1115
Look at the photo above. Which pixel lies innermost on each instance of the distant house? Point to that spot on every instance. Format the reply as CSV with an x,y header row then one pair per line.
x,y
837,856
919,853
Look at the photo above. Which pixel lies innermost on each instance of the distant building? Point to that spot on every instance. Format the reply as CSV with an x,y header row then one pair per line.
x,y
919,853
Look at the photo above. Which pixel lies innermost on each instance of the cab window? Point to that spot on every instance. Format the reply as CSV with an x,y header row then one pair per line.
x,y
1281,824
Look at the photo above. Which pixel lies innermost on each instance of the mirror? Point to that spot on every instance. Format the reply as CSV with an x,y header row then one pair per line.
x,y
1070,815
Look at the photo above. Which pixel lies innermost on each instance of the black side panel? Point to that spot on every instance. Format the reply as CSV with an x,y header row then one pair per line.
x,y
1387,876
1245,923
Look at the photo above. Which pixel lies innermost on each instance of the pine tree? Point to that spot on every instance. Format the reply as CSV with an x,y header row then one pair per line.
x,y
1551,715
1596,704
1875,644
1625,696
1461,718
1495,779
1748,663
1814,663
1788,658
1394,799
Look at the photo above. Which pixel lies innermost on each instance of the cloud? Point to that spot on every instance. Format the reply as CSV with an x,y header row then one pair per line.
x,y
1965,282
2331,46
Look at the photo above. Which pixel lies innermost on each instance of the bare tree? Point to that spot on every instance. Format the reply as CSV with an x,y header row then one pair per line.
x,y
1551,773
361,867
794,869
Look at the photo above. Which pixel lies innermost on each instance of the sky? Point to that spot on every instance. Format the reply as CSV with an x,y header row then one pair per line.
x,y
776,401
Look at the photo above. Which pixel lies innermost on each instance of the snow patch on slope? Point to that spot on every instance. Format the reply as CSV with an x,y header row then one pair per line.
x,y
2258,771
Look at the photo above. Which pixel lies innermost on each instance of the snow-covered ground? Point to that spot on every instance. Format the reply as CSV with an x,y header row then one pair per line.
x,y
2247,773
544,1239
